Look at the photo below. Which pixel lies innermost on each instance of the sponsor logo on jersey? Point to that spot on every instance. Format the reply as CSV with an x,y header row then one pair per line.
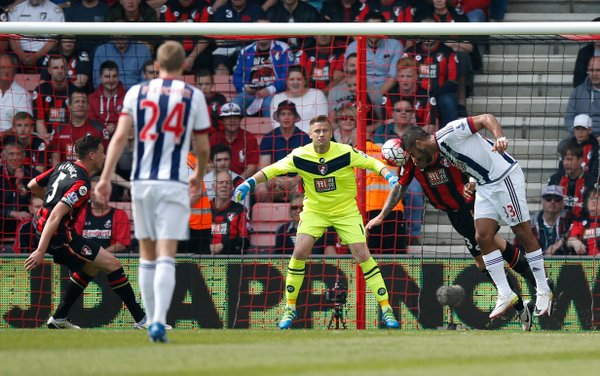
x,y
325,185
72,198
86,250
83,190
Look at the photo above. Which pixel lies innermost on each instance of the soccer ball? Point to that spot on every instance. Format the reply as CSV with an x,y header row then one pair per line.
x,y
393,153
452,295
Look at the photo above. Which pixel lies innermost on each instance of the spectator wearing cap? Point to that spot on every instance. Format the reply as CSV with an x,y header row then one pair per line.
x,y
243,144
573,181
584,238
309,102
582,134
550,225
274,146
585,99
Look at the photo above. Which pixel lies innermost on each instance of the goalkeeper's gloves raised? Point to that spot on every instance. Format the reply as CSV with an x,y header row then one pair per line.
x,y
243,189
392,179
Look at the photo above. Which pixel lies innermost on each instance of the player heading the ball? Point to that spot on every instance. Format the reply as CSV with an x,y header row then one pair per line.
x,y
500,196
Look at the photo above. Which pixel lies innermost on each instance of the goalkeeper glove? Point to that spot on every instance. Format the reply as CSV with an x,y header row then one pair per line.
x,y
243,189
392,179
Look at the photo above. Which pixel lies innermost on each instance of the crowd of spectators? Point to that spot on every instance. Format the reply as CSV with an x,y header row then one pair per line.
x,y
424,82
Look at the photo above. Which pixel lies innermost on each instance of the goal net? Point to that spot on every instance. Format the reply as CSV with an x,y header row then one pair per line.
x,y
372,83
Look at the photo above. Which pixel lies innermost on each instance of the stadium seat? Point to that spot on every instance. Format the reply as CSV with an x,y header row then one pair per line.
x,y
257,125
28,81
224,85
262,240
266,219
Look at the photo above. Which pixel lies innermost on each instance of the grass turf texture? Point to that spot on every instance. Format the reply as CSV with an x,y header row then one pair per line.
x,y
298,352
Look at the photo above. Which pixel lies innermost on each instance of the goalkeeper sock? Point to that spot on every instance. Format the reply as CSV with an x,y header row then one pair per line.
x,y
495,266
77,283
164,285
536,262
293,281
375,281
119,283
147,270
517,262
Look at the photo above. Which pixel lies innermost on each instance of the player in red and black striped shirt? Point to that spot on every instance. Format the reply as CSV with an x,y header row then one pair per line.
x,y
449,190
66,189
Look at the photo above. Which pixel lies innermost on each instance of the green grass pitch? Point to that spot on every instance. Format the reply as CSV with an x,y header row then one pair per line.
x,y
298,352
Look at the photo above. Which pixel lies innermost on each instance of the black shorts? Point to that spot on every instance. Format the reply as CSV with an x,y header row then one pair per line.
x,y
463,222
74,254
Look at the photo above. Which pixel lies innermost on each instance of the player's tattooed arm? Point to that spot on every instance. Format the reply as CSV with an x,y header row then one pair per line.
x,y
396,194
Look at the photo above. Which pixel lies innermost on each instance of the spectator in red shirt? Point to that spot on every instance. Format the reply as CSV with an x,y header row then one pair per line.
x,y
65,136
230,226
243,144
50,99
106,103
104,224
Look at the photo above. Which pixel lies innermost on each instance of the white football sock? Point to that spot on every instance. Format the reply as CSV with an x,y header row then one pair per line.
x,y
536,262
164,285
146,272
494,263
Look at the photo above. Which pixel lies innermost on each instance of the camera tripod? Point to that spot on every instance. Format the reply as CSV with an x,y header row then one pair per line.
x,y
338,316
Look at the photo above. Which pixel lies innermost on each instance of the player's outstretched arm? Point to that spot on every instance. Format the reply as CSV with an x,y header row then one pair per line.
x,y
489,122
248,185
56,216
115,149
396,194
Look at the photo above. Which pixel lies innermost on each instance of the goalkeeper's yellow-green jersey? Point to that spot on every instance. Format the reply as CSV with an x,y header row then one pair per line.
x,y
329,179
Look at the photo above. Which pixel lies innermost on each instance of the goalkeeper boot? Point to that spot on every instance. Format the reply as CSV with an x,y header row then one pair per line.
x,y
289,315
387,316
525,315
61,324
157,332
503,303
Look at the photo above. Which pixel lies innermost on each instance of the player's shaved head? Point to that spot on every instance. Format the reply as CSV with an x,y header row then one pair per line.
x,y
170,56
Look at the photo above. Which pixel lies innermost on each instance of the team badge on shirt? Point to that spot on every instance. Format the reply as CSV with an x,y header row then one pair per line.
x,y
323,169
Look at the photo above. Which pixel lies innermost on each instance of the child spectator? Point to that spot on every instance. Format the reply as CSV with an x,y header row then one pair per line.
x,y
220,156
582,134
584,238
214,100
573,181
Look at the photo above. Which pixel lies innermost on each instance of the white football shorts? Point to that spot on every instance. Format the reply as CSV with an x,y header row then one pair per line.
x,y
503,200
161,210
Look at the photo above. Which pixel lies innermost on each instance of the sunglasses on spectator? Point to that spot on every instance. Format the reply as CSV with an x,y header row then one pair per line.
x,y
409,110
553,198
346,118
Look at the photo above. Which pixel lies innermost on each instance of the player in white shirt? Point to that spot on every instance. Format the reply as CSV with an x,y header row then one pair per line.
x,y
500,196
164,111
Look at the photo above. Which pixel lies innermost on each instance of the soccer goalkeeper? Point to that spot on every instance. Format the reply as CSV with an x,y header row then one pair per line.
x,y
327,171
